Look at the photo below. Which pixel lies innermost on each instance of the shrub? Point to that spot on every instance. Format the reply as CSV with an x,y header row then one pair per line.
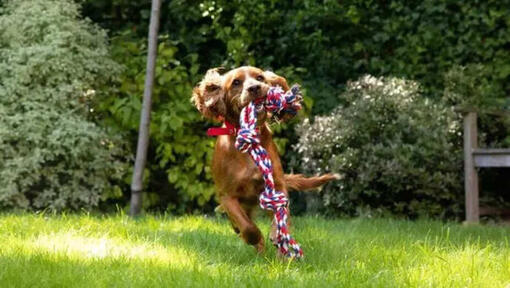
x,y
177,176
397,151
52,65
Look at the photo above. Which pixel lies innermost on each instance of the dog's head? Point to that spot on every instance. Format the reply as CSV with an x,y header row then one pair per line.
x,y
224,96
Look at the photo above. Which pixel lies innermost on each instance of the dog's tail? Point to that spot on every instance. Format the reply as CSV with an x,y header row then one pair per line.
x,y
298,182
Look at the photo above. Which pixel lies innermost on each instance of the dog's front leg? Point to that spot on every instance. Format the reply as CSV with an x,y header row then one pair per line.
x,y
249,231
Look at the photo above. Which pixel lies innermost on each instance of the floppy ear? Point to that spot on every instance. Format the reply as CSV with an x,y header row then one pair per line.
x,y
276,80
208,95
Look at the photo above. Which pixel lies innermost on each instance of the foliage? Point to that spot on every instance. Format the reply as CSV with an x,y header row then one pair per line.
x,y
326,43
323,44
177,169
161,251
472,88
52,65
397,151
330,42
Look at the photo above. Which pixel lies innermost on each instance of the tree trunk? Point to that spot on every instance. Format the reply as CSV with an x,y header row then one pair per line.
x,y
143,134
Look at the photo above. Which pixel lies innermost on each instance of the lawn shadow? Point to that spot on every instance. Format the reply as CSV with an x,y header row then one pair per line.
x,y
215,241
325,243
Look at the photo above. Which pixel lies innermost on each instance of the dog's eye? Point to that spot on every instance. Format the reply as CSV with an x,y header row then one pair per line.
x,y
260,78
236,82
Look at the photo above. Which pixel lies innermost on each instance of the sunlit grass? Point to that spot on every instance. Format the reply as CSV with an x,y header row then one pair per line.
x,y
38,250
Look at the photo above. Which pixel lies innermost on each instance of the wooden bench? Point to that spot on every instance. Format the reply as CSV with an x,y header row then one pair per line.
x,y
475,157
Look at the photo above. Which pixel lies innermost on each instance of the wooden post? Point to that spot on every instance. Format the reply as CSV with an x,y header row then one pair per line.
x,y
470,173
143,133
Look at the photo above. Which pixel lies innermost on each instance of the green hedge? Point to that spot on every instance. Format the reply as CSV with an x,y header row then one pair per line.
x,y
321,44
330,42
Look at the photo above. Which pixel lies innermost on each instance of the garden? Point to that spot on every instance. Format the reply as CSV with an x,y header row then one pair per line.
x,y
384,84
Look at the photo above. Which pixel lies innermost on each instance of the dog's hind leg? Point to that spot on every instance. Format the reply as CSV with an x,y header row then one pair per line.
x,y
241,220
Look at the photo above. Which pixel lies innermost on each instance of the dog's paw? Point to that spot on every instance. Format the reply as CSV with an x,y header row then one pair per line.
x,y
260,247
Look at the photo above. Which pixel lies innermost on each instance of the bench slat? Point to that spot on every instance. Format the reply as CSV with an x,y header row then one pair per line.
x,y
492,160
483,151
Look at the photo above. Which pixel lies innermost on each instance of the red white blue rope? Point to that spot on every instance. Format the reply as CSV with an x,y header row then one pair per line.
x,y
248,141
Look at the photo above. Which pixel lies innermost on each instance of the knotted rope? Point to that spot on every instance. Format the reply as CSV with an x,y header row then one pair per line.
x,y
248,141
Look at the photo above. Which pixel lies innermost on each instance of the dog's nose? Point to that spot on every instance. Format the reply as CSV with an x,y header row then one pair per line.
x,y
254,89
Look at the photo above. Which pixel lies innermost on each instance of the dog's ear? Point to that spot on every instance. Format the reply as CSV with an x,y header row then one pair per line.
x,y
276,80
208,95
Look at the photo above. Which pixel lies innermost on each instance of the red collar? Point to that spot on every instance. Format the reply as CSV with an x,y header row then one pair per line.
x,y
217,131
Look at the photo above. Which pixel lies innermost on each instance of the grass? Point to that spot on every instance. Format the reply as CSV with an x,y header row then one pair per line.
x,y
38,250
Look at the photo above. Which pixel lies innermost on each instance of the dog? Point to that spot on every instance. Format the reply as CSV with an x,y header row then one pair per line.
x,y
237,179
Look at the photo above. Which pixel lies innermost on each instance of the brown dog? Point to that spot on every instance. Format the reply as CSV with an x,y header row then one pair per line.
x,y
237,179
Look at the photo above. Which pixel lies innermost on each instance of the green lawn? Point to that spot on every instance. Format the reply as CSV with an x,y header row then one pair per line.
x,y
115,251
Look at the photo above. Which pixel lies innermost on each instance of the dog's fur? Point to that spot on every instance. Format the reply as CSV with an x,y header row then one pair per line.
x,y
237,179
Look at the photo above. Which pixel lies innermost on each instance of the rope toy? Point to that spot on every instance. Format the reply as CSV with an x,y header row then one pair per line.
x,y
248,141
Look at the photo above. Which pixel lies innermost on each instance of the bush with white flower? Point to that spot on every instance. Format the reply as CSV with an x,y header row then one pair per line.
x,y
397,151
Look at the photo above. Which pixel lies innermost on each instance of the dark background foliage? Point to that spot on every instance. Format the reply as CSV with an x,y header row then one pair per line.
x,y
321,44
331,42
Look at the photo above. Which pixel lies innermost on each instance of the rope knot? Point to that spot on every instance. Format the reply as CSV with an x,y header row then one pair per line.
x,y
246,138
273,201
